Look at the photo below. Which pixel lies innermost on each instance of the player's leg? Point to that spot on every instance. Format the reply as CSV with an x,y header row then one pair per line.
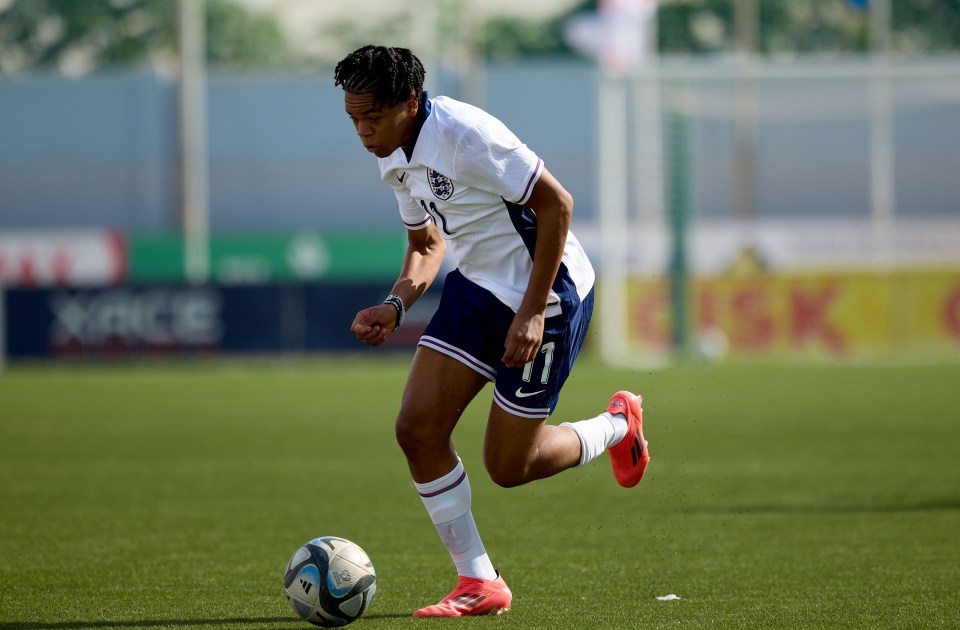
x,y
458,354
438,390
520,447
517,450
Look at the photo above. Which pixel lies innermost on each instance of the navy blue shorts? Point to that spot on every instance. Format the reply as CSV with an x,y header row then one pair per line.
x,y
471,325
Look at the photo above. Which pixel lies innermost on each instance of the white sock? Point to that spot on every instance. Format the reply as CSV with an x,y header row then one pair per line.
x,y
598,434
447,500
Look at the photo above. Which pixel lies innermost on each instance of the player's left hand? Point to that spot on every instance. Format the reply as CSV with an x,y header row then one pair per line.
x,y
523,340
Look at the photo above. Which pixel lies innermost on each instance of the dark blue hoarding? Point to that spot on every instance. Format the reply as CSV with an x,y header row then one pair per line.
x,y
182,319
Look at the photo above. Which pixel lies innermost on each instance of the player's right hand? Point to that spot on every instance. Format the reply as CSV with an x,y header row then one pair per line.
x,y
371,324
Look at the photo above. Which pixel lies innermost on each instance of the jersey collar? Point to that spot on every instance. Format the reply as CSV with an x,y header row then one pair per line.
x,y
421,118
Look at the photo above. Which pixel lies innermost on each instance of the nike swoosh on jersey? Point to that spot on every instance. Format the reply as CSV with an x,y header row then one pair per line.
x,y
522,394
402,177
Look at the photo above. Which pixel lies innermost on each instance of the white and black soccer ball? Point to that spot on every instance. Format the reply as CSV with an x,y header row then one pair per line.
x,y
330,581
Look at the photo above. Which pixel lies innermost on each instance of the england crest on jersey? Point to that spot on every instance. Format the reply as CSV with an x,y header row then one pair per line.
x,y
441,185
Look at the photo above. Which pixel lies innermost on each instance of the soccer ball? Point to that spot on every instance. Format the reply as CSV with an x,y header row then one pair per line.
x,y
330,581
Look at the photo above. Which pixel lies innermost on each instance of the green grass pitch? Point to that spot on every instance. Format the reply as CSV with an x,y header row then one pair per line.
x,y
171,495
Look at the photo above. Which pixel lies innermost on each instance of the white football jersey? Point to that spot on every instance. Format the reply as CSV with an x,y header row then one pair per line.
x,y
471,176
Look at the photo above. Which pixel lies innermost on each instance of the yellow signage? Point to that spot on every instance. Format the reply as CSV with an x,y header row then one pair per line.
x,y
842,314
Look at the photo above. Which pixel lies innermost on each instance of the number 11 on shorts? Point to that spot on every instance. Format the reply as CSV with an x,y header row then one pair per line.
x,y
546,349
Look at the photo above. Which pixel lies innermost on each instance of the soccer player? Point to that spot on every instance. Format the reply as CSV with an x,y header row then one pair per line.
x,y
515,310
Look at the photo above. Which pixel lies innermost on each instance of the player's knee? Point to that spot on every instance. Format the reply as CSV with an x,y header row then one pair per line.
x,y
408,435
418,437
505,473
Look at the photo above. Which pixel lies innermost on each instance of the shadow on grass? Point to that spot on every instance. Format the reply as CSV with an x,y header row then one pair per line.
x,y
163,623
828,509
143,623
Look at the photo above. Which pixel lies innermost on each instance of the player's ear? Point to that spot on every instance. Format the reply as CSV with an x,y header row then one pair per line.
x,y
413,104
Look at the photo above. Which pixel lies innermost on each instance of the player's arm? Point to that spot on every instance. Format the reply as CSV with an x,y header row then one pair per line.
x,y
425,251
553,206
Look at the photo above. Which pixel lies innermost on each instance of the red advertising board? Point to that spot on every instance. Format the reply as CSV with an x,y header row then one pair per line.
x,y
62,258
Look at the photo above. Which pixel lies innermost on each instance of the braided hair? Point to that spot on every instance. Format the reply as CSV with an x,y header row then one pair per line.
x,y
392,75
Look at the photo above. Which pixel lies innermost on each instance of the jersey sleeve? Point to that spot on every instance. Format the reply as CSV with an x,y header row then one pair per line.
x,y
490,157
413,216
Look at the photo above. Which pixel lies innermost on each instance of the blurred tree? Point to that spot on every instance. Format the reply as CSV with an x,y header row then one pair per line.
x,y
705,26
238,38
510,38
507,38
932,25
79,37
810,26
